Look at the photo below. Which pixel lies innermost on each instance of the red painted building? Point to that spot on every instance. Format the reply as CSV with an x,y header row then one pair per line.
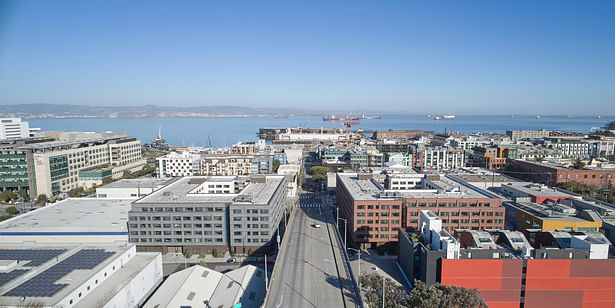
x,y
510,270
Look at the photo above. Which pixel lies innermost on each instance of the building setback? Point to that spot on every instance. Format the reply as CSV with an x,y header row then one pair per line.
x,y
199,214
375,214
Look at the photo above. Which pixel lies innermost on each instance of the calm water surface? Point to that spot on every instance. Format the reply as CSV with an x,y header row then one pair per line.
x,y
227,131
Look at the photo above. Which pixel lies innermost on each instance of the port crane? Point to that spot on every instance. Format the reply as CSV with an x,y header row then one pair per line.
x,y
348,126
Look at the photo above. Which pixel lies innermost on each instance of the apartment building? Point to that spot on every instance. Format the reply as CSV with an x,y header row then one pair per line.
x,y
437,158
375,214
202,213
178,164
50,167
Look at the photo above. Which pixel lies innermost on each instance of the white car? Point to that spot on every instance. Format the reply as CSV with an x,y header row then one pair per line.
x,y
316,225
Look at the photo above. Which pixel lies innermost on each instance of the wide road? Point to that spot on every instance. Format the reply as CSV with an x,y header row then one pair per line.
x,y
309,269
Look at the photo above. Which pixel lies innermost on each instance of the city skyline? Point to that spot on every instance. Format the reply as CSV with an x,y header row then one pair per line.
x,y
412,58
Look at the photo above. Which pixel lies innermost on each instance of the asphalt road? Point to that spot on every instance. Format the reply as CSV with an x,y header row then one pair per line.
x,y
308,270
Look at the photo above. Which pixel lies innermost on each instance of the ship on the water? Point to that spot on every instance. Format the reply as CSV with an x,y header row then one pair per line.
x,y
542,118
340,118
444,117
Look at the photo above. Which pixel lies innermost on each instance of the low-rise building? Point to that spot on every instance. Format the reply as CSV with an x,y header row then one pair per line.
x,y
77,275
552,173
130,188
436,158
550,216
198,285
78,220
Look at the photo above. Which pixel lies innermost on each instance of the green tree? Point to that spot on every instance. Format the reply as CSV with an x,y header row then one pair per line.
x,y
76,192
126,175
276,165
578,164
7,195
439,295
11,210
41,199
319,172
23,193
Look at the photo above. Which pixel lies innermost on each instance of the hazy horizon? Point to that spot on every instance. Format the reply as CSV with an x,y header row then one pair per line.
x,y
472,58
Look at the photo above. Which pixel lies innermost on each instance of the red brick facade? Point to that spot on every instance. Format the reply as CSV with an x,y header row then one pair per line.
x,y
552,176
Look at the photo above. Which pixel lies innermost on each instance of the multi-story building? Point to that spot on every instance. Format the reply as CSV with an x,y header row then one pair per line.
x,y
398,135
512,269
177,164
374,213
551,174
13,128
401,158
51,167
550,216
574,148
199,214
516,135
436,158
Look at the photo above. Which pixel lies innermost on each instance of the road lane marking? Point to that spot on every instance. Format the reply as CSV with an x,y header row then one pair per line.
x,y
281,298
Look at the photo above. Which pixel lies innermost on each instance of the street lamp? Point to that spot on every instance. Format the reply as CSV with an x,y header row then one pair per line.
x,y
345,230
359,272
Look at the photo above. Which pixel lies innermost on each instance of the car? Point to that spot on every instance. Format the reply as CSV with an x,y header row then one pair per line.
x,y
250,259
231,260
316,225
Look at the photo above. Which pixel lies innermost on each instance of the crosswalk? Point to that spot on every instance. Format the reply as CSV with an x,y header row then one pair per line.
x,y
306,205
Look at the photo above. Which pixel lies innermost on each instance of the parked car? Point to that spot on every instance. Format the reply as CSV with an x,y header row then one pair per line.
x,y
231,260
316,225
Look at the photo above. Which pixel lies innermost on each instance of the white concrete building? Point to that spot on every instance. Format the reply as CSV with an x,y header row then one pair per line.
x,y
78,275
178,164
13,128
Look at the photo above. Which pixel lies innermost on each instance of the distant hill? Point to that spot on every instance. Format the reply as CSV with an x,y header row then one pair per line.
x,y
146,111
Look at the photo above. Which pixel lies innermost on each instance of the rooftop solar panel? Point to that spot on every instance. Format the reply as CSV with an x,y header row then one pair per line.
x,y
6,277
43,284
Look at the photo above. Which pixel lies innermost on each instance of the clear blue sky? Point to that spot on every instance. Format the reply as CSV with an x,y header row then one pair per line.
x,y
464,57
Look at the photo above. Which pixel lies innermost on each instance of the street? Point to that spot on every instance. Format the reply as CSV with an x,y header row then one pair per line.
x,y
310,270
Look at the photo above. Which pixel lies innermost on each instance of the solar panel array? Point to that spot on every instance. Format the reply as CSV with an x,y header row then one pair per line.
x,y
35,256
43,284
6,277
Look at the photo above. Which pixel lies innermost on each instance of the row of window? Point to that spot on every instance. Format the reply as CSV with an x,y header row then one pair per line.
x,y
381,207
175,232
395,214
441,214
382,221
450,204
175,218
166,226
182,209
176,240
464,221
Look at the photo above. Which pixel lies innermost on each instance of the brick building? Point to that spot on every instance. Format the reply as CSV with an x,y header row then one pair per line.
x,y
375,214
552,174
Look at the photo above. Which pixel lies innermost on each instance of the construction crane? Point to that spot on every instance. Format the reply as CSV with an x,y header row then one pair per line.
x,y
348,126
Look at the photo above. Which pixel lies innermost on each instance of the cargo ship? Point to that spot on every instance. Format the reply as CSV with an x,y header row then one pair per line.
x,y
339,118
542,118
444,117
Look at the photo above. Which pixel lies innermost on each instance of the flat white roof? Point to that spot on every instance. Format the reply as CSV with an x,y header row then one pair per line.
x,y
74,216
